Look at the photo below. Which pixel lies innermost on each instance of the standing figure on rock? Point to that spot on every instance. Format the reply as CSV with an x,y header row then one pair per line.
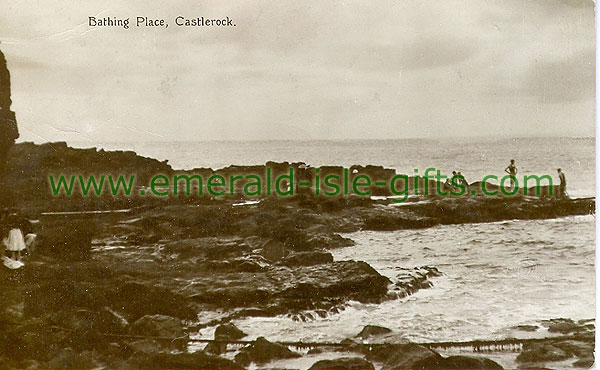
x,y
512,171
462,180
562,187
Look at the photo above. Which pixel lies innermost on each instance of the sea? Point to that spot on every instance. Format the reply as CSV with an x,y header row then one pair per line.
x,y
496,275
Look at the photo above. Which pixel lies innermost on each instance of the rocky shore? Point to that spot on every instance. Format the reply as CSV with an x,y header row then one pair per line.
x,y
128,289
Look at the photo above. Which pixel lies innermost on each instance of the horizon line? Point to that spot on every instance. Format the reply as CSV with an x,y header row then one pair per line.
x,y
315,140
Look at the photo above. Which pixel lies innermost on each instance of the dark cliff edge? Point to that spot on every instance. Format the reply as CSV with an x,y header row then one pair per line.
x,y
8,121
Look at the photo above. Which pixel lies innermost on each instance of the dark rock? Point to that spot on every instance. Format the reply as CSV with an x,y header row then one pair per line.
x,y
197,360
262,351
165,333
58,295
210,248
412,280
34,339
389,221
136,300
235,296
8,123
234,265
579,348
307,259
527,327
348,279
406,356
541,352
70,359
315,351
372,331
216,348
228,332
564,326
584,363
451,210
382,353
349,346
273,250
300,288
148,345
227,249
344,363
348,342
326,240
249,266
70,241
109,321
28,364
158,326
465,362
243,358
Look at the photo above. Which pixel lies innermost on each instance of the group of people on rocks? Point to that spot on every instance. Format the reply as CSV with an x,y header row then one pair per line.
x,y
511,169
456,179
16,235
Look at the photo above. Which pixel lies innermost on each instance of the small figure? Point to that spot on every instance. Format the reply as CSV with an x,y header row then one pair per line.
x,y
462,180
562,187
15,243
16,227
452,180
512,171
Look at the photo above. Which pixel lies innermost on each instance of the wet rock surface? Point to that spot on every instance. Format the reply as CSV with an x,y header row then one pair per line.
x,y
409,356
198,360
343,363
228,332
158,326
466,362
576,347
372,331
262,351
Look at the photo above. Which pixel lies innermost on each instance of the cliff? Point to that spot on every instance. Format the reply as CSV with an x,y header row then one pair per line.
x,y
8,122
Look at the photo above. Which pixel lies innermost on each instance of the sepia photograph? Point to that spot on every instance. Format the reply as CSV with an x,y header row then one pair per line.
x,y
311,185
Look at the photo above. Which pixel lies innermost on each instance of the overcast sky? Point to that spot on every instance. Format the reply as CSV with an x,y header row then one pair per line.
x,y
302,69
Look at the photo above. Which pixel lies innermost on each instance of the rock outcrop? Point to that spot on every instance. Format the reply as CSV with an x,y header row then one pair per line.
x,y
413,356
262,351
8,122
197,360
373,331
228,332
343,363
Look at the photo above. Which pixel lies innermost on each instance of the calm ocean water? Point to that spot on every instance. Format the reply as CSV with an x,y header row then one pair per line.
x,y
496,275
475,158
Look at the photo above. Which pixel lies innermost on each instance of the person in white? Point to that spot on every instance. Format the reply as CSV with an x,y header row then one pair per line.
x,y
15,243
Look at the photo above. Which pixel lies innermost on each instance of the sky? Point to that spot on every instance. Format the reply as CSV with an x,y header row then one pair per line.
x,y
308,69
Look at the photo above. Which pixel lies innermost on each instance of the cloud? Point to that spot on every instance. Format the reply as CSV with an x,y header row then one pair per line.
x,y
302,69
550,81
424,53
578,3
565,80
